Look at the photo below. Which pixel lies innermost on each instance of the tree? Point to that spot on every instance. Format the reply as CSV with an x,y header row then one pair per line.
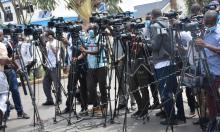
x,y
83,8
201,2
173,4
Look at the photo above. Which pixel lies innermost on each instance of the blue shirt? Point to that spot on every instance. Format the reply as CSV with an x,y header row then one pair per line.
x,y
74,50
219,19
95,61
102,8
213,59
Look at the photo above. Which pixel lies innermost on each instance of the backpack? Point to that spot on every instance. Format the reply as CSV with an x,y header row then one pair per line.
x,y
161,39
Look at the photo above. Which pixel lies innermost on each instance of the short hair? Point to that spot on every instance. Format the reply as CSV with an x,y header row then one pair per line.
x,y
211,15
156,13
50,32
195,8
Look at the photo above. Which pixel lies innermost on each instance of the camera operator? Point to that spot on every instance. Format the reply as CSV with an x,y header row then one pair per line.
x,y
192,54
211,43
164,69
186,40
141,73
154,90
76,73
30,56
11,75
51,73
97,71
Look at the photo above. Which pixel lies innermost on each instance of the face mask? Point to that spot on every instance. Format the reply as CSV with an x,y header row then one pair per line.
x,y
147,23
211,29
91,34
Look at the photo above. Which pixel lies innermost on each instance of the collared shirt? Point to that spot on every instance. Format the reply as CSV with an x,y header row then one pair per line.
x,y
219,19
95,61
189,46
52,57
25,52
213,59
30,52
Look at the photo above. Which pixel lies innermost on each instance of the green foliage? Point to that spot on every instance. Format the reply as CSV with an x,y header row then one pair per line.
x,y
190,2
113,6
45,4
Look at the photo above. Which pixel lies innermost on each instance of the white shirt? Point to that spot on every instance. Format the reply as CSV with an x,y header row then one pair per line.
x,y
30,52
162,64
25,53
186,40
52,57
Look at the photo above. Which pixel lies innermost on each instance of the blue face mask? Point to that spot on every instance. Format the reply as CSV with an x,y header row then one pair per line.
x,y
147,23
211,29
91,34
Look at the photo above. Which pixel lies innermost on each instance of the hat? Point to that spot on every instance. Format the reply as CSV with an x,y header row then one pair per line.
x,y
213,3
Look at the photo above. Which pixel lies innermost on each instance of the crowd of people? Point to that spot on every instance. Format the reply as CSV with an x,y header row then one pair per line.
x,y
150,63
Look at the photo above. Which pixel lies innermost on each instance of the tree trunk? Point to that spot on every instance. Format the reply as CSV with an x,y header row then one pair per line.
x,y
173,4
21,12
2,8
16,12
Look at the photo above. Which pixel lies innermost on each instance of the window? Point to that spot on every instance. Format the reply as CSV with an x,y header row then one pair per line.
x,y
8,14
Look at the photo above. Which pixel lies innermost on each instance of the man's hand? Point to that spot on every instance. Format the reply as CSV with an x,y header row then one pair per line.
x,y
75,59
65,70
200,42
65,41
82,49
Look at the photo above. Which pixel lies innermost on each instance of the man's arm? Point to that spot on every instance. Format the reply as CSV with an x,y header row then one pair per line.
x,y
203,44
5,61
95,52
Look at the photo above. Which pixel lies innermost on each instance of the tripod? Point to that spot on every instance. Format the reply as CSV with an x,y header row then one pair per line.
x,y
25,74
204,79
38,42
75,74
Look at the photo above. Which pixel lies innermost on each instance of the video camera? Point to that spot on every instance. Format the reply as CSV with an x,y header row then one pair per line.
x,y
61,26
34,30
188,24
12,29
137,23
103,19
172,14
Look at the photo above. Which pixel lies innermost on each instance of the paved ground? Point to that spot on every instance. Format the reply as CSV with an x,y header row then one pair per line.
x,y
91,125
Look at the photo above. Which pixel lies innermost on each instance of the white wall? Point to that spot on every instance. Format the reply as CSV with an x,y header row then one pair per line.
x,y
60,11
6,4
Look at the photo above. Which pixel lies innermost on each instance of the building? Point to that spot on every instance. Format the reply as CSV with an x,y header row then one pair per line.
x,y
164,5
38,16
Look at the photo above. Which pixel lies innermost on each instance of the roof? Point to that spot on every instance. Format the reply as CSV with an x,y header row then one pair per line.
x,y
142,10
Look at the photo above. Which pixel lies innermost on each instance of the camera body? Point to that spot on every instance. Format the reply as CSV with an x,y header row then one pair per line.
x,y
189,24
172,14
12,29
33,30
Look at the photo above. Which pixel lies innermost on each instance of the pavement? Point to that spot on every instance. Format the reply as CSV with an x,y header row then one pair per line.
x,y
88,124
